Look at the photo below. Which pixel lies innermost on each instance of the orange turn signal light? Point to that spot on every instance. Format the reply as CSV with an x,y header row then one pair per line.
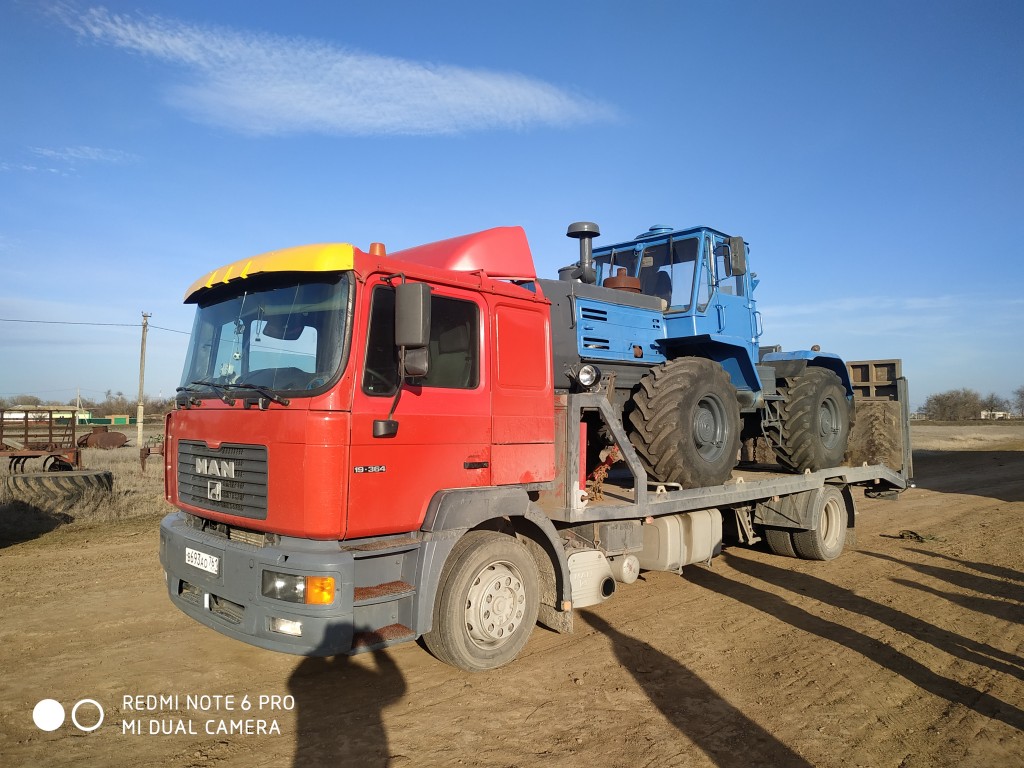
x,y
319,590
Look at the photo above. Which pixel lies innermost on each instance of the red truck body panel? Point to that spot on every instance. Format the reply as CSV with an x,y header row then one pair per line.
x,y
330,478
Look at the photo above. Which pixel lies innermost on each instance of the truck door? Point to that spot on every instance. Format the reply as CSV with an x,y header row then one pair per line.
x,y
444,433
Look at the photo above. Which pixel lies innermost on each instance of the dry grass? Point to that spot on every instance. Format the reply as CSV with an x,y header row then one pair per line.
x,y
971,436
136,494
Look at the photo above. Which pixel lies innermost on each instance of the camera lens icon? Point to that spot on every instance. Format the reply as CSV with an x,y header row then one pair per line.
x,y
48,715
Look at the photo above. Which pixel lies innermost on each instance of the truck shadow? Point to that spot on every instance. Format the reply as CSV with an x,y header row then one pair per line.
x,y
986,605
992,474
872,649
339,707
971,582
693,707
998,571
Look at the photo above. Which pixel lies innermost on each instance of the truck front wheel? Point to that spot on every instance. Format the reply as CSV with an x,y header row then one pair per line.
x,y
487,602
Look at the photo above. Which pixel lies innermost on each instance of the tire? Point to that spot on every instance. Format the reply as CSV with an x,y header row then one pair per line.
x,y
48,487
684,422
814,423
780,541
487,602
827,539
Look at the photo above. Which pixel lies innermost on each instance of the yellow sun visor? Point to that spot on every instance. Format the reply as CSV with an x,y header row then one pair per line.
x,y
324,257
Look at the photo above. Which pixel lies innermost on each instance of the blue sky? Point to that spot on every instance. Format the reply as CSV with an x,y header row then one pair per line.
x,y
871,154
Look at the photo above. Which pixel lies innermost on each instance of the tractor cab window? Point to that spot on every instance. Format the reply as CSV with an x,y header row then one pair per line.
x,y
684,265
704,278
656,272
609,264
454,347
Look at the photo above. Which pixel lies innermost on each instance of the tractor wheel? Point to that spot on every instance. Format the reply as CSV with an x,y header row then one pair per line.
x,y
827,539
57,486
814,421
487,602
684,422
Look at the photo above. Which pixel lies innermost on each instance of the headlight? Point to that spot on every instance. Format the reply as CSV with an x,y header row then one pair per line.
x,y
588,376
310,590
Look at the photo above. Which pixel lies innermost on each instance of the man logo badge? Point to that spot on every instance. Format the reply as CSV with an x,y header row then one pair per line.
x,y
213,490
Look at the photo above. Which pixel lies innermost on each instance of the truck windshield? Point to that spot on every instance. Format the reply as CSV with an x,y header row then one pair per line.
x,y
283,332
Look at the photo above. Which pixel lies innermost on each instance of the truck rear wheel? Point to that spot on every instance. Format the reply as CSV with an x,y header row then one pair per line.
x,y
487,602
814,421
780,541
826,541
684,422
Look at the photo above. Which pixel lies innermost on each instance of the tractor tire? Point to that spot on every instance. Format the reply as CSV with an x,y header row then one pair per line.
x,y
684,422
814,423
487,602
827,539
49,487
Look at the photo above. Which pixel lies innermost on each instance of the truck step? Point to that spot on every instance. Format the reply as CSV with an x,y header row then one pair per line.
x,y
382,546
375,639
381,593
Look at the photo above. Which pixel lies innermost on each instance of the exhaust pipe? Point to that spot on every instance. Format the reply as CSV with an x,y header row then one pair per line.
x,y
585,232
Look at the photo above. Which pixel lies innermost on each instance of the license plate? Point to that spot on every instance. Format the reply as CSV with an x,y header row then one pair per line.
x,y
202,561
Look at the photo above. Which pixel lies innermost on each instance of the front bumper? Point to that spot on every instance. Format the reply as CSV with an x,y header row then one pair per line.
x,y
231,601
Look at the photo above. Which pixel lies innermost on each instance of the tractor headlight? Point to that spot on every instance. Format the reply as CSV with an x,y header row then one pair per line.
x,y
588,376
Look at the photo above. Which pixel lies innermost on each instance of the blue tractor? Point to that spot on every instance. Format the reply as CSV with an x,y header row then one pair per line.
x,y
668,322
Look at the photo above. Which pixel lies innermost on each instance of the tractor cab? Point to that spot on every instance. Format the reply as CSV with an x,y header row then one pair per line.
x,y
684,268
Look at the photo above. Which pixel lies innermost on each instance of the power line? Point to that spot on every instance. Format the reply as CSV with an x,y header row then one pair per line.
x,y
68,322
172,330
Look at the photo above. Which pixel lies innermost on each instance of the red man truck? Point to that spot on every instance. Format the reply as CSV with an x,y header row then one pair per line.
x,y
370,448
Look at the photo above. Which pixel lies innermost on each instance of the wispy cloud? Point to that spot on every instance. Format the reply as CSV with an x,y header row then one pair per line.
x,y
268,84
65,161
82,154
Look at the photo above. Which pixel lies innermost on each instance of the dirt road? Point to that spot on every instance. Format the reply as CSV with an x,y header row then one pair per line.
x,y
900,653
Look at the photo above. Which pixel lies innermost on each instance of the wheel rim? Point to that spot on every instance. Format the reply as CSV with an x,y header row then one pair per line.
x,y
829,423
710,427
495,605
832,523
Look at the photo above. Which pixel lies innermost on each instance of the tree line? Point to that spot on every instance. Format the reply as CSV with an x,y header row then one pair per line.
x,y
114,403
964,404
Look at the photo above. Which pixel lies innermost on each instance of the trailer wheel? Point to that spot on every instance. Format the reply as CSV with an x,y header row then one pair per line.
x,y
814,421
780,541
826,541
487,602
57,486
684,422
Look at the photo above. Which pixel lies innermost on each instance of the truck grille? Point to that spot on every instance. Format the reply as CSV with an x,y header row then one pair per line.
x,y
231,479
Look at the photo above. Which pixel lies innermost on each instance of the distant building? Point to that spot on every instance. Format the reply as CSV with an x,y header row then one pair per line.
x,y
38,412
995,414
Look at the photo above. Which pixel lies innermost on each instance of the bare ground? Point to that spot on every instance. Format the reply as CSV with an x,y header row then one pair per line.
x,y
899,653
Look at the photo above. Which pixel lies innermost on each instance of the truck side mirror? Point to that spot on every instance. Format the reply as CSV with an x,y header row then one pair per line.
x,y
738,256
412,337
412,315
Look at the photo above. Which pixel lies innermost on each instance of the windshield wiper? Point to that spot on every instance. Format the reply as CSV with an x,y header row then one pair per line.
x,y
218,389
267,393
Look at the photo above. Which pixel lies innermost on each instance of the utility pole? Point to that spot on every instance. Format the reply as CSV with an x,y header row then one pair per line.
x,y
142,379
